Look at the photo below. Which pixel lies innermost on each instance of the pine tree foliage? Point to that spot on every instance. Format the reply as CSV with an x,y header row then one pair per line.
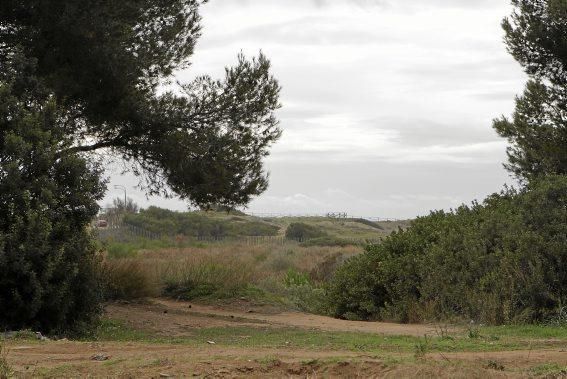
x,y
536,35
105,62
82,76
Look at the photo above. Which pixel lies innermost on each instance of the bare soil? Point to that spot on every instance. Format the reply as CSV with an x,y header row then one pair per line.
x,y
177,318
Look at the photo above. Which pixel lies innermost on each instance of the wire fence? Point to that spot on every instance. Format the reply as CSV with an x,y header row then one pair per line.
x,y
330,215
127,233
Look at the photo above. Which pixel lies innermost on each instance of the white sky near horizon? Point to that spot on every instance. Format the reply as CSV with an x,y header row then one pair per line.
x,y
387,104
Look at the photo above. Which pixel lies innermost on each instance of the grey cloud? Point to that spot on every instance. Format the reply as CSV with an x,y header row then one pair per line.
x,y
493,96
374,3
303,31
423,132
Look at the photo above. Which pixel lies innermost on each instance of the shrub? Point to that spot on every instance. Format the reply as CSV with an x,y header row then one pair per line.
x,y
497,262
301,232
48,262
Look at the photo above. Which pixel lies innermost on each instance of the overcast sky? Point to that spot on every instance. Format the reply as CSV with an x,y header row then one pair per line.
x,y
387,104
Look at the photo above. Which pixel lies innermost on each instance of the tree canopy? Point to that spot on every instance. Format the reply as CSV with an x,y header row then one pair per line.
x,y
536,35
104,62
78,76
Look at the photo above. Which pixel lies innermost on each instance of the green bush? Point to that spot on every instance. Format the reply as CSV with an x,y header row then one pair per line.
x,y
300,231
497,262
48,265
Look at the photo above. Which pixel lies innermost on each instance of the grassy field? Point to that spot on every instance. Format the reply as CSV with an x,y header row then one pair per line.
x,y
514,338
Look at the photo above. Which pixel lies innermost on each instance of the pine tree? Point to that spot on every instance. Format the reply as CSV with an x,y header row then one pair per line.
x,y
536,35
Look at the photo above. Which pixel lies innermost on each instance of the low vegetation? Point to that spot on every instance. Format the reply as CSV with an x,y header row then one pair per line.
x,y
288,275
199,224
316,340
5,368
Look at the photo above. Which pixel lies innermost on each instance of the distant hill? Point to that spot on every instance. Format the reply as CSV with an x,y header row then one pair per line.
x,y
223,224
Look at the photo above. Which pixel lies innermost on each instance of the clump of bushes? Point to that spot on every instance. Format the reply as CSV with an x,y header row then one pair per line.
x,y
501,261
300,231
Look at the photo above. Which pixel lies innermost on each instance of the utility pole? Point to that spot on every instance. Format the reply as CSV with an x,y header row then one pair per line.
x,y
125,198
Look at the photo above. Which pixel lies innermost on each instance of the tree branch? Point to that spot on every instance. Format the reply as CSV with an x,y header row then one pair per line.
x,y
86,148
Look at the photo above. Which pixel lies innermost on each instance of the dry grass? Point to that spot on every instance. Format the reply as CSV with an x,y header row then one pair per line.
x,y
130,279
221,271
5,368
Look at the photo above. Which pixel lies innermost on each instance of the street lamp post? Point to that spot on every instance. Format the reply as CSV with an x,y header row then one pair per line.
x,y
125,198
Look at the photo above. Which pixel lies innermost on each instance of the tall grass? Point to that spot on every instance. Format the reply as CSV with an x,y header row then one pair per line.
x,y
225,271
129,279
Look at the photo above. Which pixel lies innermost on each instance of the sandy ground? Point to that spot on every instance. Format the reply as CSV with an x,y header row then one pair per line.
x,y
181,317
62,359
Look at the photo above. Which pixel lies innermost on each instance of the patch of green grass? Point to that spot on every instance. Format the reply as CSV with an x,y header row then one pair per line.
x,y
110,330
131,249
422,347
307,339
62,371
549,369
526,331
114,362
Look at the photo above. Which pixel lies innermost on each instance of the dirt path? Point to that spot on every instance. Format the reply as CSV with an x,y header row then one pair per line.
x,y
138,360
175,318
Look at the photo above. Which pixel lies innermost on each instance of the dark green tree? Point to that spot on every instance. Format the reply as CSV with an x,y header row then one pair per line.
x,y
79,76
105,62
48,265
536,35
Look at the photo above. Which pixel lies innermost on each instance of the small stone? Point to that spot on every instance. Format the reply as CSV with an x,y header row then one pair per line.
x,y
41,337
100,357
